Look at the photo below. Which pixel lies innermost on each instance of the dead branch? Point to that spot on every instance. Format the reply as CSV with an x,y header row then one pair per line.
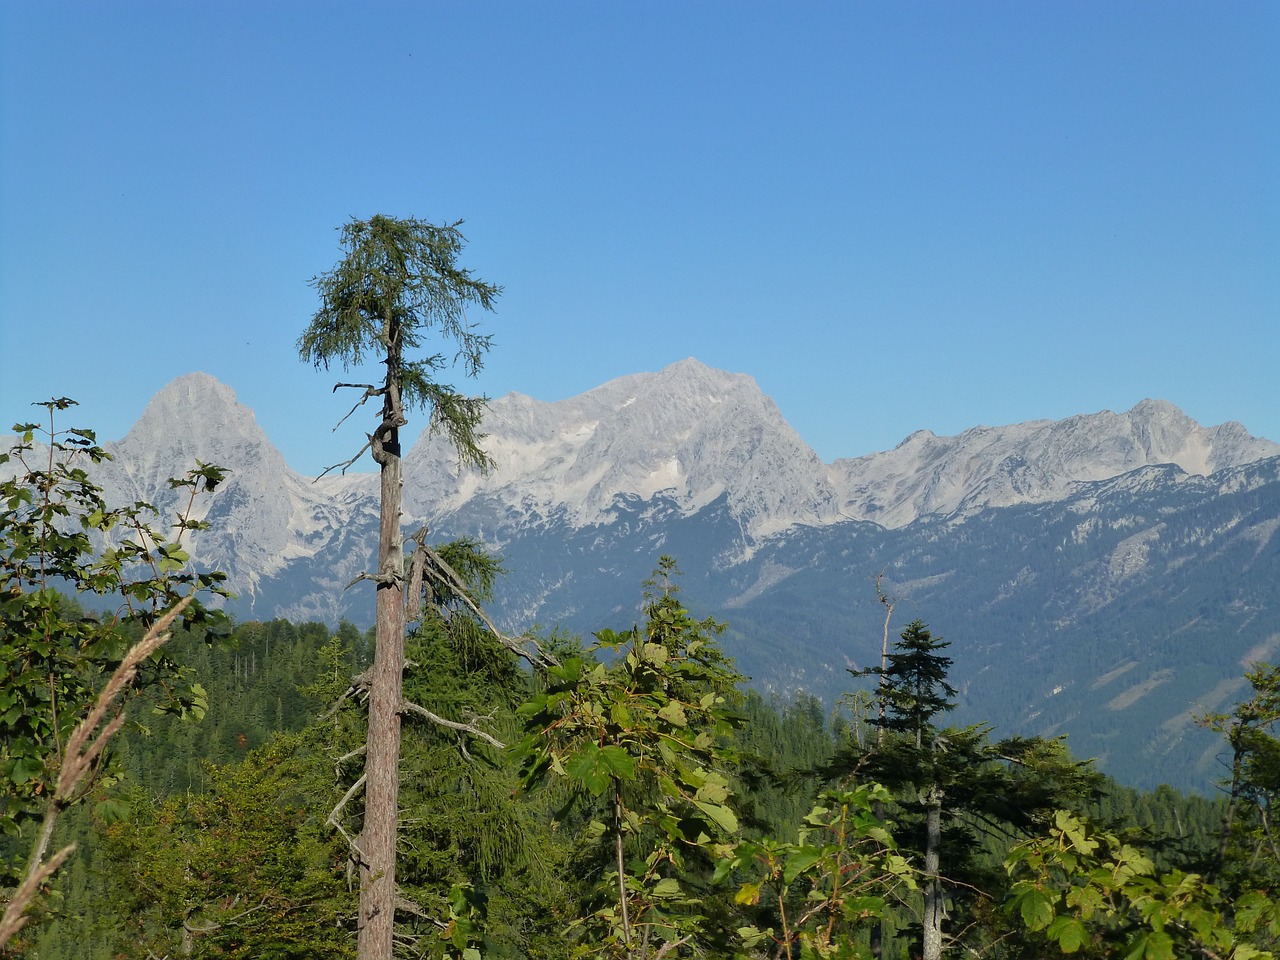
x,y
357,752
889,604
356,853
213,925
84,748
370,391
537,659
413,595
13,919
671,945
359,684
405,905
409,707
378,578
346,464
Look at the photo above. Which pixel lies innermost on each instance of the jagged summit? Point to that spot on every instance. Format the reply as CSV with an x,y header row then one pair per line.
x,y
264,516
1035,461
691,434
688,432
195,416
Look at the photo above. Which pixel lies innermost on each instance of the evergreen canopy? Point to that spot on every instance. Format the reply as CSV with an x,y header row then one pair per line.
x,y
398,281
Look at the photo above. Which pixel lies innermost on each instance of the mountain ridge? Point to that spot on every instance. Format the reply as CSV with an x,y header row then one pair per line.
x,y
684,437
737,442
1135,546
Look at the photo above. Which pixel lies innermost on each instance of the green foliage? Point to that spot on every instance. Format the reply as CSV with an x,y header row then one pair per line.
x,y
611,827
59,537
245,869
477,868
399,279
471,838
956,794
261,680
1248,856
913,684
836,878
779,747
1087,892
644,735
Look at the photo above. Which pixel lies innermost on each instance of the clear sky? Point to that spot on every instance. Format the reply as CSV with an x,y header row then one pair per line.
x,y
894,215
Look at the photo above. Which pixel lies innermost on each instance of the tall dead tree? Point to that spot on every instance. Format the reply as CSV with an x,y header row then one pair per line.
x,y
398,284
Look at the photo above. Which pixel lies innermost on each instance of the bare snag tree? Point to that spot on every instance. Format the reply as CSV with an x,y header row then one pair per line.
x,y
398,284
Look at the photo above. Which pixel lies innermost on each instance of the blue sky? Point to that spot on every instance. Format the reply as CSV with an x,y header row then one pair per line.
x,y
894,216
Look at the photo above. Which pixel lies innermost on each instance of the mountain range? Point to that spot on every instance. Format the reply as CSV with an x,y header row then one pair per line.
x,y
1108,576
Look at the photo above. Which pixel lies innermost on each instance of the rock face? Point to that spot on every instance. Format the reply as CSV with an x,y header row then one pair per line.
x,y
265,516
1034,462
681,439
688,432
694,434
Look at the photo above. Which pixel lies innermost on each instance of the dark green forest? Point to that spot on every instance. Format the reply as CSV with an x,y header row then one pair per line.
x,y
774,829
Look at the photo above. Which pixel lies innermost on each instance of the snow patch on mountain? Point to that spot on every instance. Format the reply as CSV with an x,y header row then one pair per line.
x,y
684,439
688,433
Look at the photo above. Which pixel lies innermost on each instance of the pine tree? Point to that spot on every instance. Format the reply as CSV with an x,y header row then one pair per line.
x,y
954,785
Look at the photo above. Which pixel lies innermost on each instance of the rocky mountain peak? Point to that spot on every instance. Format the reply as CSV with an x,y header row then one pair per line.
x,y
1034,461
688,432
195,417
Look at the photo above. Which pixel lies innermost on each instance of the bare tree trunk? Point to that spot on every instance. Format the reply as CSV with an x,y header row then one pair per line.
x,y
931,937
622,872
382,762
877,808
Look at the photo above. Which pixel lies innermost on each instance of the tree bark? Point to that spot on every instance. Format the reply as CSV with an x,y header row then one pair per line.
x,y
386,677
931,936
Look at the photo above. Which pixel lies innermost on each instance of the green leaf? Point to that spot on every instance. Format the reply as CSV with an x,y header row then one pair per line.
x,y
668,888
199,702
674,714
655,653
1069,932
1036,909
720,815
1136,948
1159,946
618,762
799,862
26,769
1253,909
588,768
112,811
858,908
620,715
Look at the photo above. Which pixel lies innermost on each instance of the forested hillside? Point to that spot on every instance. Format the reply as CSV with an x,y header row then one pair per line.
x,y
215,839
